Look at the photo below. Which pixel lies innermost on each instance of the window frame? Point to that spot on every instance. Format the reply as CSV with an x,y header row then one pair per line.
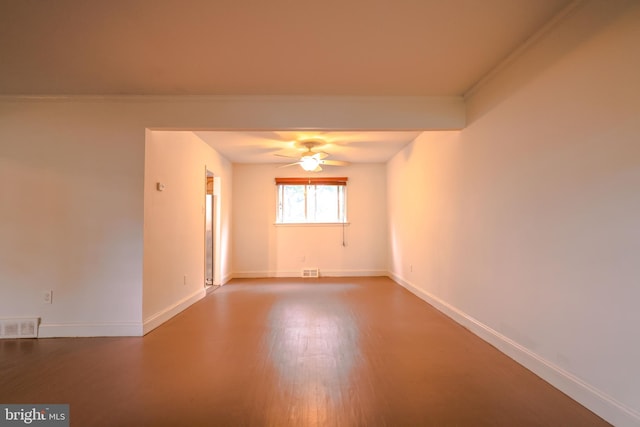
x,y
311,182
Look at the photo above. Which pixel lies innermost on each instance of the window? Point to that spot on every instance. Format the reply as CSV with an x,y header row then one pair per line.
x,y
311,200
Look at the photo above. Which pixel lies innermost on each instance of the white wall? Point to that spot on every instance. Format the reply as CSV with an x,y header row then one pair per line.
x,y
70,218
174,221
525,226
263,249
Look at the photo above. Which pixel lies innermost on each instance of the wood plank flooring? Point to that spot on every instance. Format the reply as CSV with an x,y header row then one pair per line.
x,y
289,352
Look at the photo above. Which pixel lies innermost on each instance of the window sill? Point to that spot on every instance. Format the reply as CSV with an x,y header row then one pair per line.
x,y
311,224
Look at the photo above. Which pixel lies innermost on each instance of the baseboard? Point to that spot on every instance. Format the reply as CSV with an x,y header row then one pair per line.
x,y
225,279
296,273
595,400
262,274
162,316
352,273
63,330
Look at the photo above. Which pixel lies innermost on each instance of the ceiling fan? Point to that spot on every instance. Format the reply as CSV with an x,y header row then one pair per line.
x,y
310,160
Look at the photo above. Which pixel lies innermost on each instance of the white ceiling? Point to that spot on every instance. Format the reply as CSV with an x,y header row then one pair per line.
x,y
258,47
264,147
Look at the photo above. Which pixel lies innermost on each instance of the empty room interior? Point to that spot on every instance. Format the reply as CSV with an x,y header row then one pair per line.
x,y
321,213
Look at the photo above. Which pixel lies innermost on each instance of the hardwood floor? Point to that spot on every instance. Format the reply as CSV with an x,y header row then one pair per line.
x,y
289,352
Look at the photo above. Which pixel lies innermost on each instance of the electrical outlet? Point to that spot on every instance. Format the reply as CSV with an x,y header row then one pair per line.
x,y
47,297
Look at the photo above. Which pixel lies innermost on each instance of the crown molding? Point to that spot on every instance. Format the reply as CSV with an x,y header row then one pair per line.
x,y
558,18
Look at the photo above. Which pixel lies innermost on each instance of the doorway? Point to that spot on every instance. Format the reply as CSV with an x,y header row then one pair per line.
x,y
210,230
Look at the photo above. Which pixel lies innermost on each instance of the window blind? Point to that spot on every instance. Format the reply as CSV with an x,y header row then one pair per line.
x,y
326,180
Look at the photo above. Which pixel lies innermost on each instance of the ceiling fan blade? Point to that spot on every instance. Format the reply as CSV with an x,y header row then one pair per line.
x,y
318,169
285,156
322,155
288,164
334,163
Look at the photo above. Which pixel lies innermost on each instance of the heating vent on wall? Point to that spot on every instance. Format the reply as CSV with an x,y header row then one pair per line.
x,y
19,328
310,272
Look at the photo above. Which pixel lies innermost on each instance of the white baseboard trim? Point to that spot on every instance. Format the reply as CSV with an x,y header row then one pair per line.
x,y
64,330
297,273
352,273
595,400
226,279
261,274
162,316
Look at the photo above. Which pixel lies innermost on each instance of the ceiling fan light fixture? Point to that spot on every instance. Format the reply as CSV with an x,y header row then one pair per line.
x,y
309,163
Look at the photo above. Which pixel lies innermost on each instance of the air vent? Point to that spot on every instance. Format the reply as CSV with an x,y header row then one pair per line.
x,y
310,272
19,328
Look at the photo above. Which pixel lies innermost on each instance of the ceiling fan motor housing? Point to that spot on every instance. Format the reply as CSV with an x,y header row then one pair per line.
x,y
310,144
